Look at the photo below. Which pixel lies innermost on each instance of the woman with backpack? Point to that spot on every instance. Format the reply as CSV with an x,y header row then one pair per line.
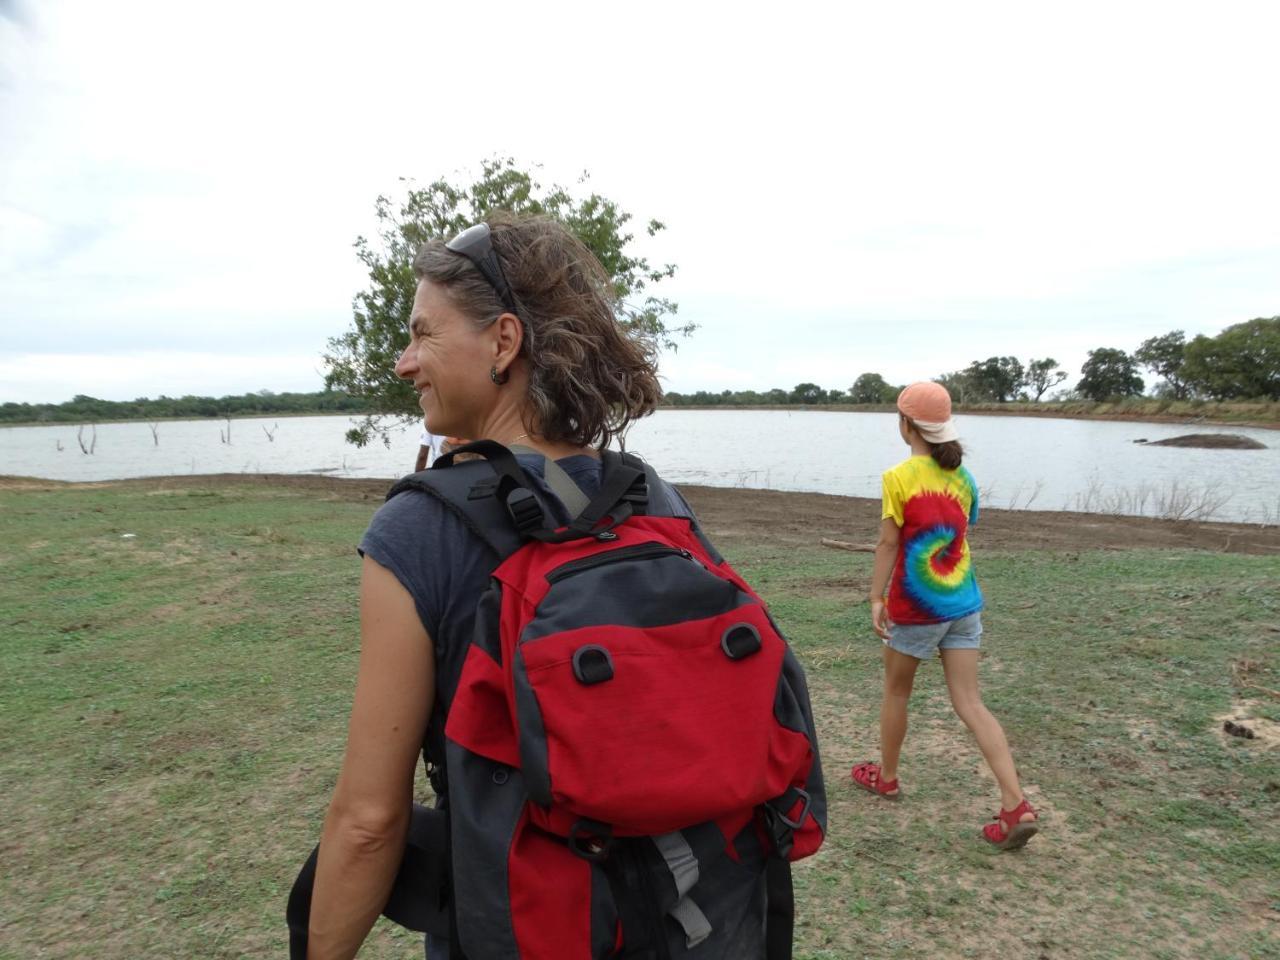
x,y
934,603
514,341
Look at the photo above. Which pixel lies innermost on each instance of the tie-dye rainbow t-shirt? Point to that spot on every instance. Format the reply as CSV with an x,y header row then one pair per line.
x,y
933,580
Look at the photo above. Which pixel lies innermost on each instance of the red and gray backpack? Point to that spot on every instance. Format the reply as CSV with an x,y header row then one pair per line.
x,y
630,761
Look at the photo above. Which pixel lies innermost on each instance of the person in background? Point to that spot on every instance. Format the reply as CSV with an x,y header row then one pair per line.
x,y
934,602
451,444
429,447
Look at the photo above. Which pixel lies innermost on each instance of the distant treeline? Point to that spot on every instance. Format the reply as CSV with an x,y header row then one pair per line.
x,y
83,409
1242,363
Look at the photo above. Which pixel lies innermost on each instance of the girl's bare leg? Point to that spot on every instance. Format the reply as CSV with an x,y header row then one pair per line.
x,y
961,669
899,675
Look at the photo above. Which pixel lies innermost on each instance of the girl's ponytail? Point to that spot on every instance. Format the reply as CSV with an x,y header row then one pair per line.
x,y
948,455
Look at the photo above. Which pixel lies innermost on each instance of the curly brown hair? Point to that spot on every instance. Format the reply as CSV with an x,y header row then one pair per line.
x,y
590,377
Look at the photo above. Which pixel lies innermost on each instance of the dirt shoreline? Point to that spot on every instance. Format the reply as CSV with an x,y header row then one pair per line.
x,y
962,411
1124,417
803,519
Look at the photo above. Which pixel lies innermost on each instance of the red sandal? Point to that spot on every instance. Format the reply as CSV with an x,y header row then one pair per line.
x,y
867,776
1008,832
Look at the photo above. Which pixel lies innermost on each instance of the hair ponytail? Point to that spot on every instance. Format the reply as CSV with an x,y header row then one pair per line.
x,y
948,455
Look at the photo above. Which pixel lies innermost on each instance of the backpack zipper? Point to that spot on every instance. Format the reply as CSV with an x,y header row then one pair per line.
x,y
641,551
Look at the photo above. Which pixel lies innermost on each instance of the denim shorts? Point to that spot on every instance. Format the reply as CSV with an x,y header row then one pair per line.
x,y
921,640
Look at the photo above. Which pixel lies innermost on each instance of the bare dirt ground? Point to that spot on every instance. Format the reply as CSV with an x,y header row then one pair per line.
x,y
805,518
796,518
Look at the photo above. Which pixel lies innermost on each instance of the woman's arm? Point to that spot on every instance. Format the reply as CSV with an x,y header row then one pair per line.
x,y
364,832
886,556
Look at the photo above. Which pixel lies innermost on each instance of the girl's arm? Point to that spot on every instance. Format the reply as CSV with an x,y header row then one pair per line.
x,y
364,833
886,556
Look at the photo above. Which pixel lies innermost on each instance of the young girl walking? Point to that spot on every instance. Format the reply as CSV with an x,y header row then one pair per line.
x,y
934,602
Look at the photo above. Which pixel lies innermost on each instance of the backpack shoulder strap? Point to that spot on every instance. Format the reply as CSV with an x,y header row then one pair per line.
x,y
472,490
561,484
662,499
466,489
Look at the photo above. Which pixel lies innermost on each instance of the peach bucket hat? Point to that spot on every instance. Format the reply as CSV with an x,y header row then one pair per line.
x,y
928,405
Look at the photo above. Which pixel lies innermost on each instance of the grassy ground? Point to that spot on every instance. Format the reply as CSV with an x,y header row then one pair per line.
x,y
172,709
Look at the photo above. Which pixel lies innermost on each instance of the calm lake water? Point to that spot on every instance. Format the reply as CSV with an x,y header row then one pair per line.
x,y
1019,462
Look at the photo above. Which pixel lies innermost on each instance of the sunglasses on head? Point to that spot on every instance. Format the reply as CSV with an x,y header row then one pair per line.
x,y
475,244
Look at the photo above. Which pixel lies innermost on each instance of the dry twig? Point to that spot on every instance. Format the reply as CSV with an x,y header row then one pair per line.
x,y
1240,671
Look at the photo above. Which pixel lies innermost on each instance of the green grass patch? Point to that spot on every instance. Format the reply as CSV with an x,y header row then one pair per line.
x,y
179,665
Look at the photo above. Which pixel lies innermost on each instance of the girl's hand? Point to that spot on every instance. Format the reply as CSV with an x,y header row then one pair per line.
x,y
880,619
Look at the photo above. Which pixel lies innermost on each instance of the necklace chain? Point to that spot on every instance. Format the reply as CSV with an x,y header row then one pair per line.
x,y
523,436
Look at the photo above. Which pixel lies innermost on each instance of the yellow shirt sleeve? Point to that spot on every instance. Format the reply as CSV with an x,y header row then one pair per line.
x,y
891,498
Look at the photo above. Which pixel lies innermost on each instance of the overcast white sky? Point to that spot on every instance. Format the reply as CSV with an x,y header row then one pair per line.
x,y
851,187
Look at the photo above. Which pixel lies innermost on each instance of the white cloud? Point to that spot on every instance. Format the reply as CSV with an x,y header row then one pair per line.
x,y
847,186
46,378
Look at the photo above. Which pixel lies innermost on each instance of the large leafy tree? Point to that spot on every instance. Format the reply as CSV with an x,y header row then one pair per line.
x,y
1042,375
361,361
872,388
808,393
1165,356
1109,373
1243,361
998,377
963,388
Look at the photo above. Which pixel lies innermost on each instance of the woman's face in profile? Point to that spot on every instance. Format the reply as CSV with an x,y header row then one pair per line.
x,y
448,361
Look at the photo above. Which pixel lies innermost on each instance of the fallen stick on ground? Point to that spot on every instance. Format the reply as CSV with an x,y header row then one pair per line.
x,y
846,545
1240,673
1257,686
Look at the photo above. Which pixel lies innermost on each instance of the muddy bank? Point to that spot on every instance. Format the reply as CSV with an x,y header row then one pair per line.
x,y
804,518
793,519
1125,416
1264,419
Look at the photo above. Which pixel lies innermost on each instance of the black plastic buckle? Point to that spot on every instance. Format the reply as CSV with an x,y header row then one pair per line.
x,y
804,811
781,827
590,839
525,510
638,496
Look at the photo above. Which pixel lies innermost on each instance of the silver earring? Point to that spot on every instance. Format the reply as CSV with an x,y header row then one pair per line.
x,y
498,378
